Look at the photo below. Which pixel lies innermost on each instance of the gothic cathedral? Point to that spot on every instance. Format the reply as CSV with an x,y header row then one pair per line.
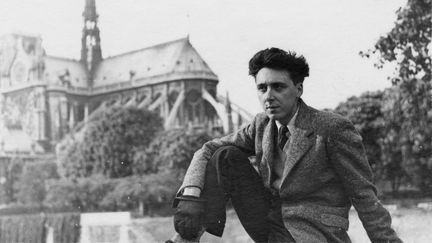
x,y
43,98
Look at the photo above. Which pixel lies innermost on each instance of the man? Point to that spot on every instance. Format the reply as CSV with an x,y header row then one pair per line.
x,y
310,167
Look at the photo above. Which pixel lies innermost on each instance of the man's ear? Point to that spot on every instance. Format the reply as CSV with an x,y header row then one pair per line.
x,y
299,87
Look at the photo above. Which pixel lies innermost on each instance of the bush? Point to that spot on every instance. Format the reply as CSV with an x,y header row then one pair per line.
x,y
83,194
17,209
145,192
171,151
12,173
97,193
33,227
32,184
108,143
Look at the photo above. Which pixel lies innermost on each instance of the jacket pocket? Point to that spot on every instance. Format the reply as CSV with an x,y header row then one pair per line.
x,y
335,221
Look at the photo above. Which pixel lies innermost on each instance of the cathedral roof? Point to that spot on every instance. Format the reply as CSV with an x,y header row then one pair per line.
x,y
58,69
169,61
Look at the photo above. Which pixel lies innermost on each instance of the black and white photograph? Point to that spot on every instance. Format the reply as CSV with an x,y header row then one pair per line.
x,y
184,121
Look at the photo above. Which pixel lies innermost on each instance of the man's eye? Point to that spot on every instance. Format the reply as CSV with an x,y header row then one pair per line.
x,y
262,88
278,87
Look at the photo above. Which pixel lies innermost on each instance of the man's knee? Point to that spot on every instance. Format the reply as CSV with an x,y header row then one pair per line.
x,y
230,163
229,155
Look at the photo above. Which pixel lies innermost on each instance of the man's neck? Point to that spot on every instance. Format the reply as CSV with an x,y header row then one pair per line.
x,y
290,123
285,122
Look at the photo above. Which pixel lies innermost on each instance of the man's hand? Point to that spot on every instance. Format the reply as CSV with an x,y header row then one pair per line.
x,y
188,216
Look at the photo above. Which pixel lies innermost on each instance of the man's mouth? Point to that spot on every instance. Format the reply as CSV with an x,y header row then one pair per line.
x,y
272,107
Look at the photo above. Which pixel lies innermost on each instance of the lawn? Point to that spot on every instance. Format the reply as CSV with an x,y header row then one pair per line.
x,y
412,225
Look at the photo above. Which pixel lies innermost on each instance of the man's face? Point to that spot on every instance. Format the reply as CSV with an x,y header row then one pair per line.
x,y
277,94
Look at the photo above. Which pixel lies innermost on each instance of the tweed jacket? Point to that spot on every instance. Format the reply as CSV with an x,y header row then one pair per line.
x,y
326,171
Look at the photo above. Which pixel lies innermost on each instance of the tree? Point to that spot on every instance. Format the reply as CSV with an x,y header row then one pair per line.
x,y
377,120
172,151
158,171
109,142
32,184
70,158
143,192
155,173
365,113
407,45
393,142
83,194
12,174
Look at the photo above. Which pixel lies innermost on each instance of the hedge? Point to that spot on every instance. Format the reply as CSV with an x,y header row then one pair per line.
x,y
33,228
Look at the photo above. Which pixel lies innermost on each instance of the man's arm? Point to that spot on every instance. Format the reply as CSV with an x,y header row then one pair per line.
x,y
347,154
243,139
190,207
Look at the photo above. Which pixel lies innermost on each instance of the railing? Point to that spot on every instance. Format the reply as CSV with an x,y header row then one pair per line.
x,y
134,83
10,88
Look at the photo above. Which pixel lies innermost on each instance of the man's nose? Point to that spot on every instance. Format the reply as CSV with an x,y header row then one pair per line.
x,y
269,95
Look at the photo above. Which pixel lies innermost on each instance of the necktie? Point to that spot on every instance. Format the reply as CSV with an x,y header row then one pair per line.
x,y
283,135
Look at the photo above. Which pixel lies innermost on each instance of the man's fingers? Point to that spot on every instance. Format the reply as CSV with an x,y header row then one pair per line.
x,y
195,226
190,232
176,223
179,226
187,219
187,228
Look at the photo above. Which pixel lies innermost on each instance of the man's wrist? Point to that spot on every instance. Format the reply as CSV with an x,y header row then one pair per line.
x,y
189,193
192,191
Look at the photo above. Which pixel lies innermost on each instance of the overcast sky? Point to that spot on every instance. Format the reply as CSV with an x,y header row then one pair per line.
x,y
227,33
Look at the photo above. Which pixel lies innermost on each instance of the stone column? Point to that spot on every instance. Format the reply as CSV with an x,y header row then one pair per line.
x,y
86,112
71,115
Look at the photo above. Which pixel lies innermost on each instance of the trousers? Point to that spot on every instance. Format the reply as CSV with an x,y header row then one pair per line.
x,y
230,176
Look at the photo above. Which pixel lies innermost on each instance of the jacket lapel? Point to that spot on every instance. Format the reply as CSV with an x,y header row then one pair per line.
x,y
300,142
268,152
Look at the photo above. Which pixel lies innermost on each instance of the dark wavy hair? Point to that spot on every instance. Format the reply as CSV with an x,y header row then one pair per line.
x,y
279,59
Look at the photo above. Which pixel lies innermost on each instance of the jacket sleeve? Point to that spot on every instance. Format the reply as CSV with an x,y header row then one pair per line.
x,y
243,139
347,155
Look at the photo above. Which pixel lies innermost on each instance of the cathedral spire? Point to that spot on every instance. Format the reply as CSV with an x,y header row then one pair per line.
x,y
91,53
90,10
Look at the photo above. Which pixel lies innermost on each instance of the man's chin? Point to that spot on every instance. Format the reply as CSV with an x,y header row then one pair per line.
x,y
275,116
272,115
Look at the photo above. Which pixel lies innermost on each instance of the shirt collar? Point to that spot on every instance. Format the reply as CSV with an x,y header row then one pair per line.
x,y
290,124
